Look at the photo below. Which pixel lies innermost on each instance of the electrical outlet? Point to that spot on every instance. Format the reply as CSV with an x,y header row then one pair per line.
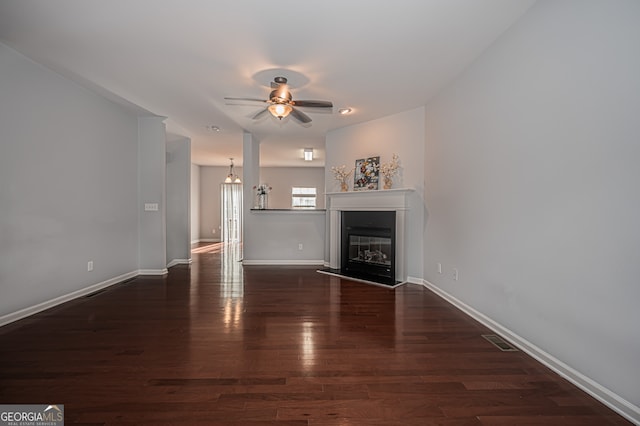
x,y
455,274
439,267
90,266
300,246
213,231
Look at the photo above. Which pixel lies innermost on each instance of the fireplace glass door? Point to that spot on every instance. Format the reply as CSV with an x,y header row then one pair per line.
x,y
367,245
370,250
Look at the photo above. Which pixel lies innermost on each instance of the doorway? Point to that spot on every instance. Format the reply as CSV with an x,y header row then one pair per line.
x,y
231,212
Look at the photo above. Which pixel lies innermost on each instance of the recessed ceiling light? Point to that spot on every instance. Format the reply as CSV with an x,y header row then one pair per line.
x,y
213,128
345,111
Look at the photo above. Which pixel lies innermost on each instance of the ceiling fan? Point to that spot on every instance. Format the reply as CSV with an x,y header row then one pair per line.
x,y
281,103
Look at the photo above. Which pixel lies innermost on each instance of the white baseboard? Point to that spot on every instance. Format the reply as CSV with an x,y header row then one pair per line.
x,y
208,240
415,280
601,393
164,271
175,262
310,262
23,313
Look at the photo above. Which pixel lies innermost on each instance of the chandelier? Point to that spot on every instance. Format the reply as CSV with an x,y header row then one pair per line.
x,y
231,177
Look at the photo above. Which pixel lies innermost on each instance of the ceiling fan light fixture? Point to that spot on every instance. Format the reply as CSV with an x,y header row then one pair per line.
x,y
280,111
281,104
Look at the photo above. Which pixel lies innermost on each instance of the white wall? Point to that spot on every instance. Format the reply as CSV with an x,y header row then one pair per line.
x,y
402,134
282,179
68,167
178,201
531,169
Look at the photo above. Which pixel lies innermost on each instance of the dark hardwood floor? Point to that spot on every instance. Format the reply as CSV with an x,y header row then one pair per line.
x,y
217,344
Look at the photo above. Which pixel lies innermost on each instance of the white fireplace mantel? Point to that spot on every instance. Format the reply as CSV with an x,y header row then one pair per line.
x,y
382,200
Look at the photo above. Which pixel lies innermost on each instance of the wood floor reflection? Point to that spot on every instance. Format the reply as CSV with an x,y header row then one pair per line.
x,y
214,343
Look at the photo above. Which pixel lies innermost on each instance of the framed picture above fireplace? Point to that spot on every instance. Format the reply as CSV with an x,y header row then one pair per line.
x,y
365,176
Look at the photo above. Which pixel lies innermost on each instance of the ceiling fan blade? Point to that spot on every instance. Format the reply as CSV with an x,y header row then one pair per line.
x,y
260,113
246,99
300,116
314,104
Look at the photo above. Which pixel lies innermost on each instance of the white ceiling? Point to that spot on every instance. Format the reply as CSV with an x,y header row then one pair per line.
x,y
180,58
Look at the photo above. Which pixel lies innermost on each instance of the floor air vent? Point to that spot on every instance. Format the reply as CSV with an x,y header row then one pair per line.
x,y
499,343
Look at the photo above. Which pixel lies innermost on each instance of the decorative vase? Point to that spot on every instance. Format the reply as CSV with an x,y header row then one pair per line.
x,y
344,186
388,182
262,201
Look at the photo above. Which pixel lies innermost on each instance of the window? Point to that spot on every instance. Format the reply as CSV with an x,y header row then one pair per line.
x,y
303,198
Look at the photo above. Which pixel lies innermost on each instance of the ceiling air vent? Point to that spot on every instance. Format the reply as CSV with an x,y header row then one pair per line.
x,y
500,343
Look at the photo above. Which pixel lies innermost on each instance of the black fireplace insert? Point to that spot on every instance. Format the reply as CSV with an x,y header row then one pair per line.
x,y
368,245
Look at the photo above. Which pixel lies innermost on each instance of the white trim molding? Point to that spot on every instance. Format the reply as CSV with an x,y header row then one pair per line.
x,y
601,393
164,271
175,262
414,280
206,240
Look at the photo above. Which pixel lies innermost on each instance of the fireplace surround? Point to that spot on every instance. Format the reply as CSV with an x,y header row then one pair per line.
x,y
391,200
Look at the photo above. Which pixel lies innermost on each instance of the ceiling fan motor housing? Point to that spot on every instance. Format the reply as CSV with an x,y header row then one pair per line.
x,y
280,96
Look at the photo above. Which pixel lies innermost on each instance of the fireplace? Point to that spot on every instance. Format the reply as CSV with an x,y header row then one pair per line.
x,y
391,206
368,245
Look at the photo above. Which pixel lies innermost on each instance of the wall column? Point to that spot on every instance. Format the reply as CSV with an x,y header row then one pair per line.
x,y
178,211
250,178
151,195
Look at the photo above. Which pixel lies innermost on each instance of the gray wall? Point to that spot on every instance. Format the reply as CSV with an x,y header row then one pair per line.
x,y
68,167
178,201
402,134
152,175
76,170
272,237
282,179
195,203
531,170
210,179
284,237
